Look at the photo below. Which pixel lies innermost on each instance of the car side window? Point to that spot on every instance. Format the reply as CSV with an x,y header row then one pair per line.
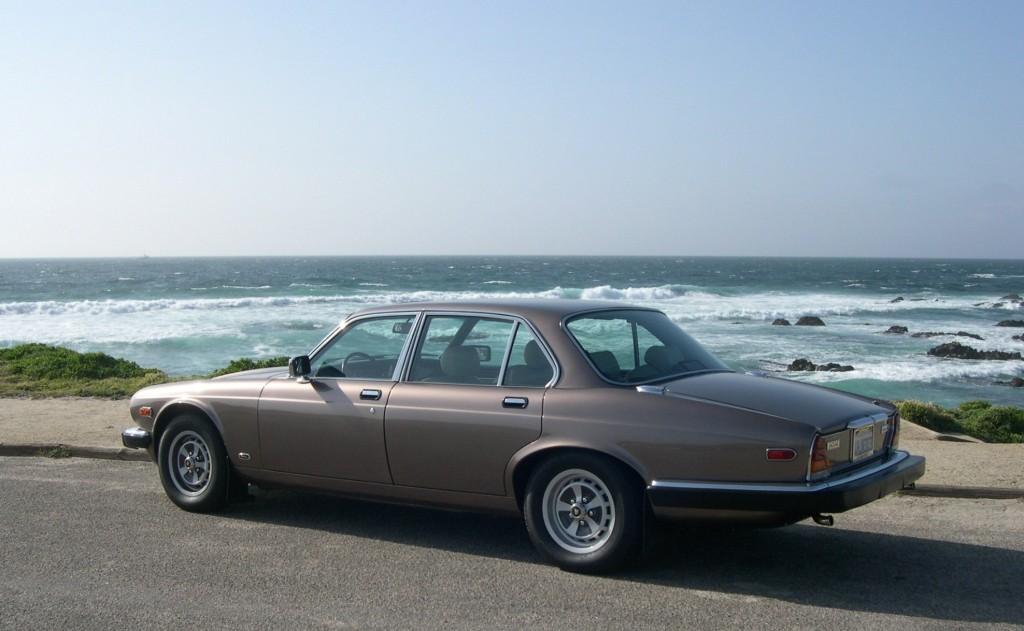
x,y
369,349
461,349
528,366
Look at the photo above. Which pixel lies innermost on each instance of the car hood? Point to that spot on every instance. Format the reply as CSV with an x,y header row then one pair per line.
x,y
824,408
254,375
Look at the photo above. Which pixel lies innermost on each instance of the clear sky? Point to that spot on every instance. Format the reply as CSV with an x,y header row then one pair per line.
x,y
719,128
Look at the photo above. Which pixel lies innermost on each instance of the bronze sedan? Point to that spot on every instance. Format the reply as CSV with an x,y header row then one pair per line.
x,y
584,417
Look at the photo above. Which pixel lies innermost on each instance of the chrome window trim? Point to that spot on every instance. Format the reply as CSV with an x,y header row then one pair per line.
x,y
508,353
783,487
349,322
427,313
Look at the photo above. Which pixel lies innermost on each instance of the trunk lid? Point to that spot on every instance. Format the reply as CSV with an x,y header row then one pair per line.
x,y
825,409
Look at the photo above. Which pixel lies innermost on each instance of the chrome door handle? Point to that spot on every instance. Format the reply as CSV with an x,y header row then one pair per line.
x,y
370,395
515,402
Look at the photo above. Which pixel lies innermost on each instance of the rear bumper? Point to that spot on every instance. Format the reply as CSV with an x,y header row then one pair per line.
x,y
828,496
136,438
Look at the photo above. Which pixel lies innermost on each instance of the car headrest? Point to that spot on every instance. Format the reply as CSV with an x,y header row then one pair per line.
x,y
534,356
662,357
606,363
460,361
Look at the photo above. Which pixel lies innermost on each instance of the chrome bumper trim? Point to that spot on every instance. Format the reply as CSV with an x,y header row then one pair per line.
x,y
785,487
136,438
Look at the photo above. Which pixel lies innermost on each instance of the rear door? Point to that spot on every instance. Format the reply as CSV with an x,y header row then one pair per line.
x,y
470,401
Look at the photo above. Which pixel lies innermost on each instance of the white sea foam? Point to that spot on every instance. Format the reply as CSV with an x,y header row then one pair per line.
x,y
497,282
373,284
983,275
309,285
926,369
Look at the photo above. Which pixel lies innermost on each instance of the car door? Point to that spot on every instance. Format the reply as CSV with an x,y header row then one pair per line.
x,y
332,424
459,415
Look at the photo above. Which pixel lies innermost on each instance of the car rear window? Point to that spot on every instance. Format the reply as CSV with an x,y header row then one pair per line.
x,y
639,346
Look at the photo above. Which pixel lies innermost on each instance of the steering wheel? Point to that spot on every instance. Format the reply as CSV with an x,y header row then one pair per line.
x,y
353,356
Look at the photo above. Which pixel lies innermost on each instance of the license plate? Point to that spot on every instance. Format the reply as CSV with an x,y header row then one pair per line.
x,y
863,442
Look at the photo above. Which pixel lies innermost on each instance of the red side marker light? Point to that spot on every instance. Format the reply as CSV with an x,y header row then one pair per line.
x,y
783,454
146,411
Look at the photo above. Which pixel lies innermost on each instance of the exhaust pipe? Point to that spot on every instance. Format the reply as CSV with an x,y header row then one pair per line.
x,y
823,520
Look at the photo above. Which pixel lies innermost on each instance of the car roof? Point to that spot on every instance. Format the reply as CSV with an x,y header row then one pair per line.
x,y
528,308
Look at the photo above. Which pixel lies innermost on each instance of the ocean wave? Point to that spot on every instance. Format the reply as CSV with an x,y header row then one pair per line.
x,y
983,275
938,370
244,287
309,284
681,302
496,282
373,284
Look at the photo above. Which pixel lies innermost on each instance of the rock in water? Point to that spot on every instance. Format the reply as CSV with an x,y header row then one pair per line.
x,y
974,336
957,350
1013,323
899,330
1016,382
834,367
897,299
805,365
780,322
1012,298
814,321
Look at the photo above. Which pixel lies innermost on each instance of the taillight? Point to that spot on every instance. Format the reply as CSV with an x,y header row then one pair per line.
x,y
820,464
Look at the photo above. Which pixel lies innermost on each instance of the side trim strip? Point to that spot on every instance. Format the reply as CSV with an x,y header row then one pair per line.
x,y
783,487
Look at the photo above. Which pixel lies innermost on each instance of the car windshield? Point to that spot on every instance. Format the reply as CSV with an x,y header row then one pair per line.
x,y
637,346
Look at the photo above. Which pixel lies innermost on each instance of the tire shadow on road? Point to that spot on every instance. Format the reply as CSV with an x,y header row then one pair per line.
x,y
803,564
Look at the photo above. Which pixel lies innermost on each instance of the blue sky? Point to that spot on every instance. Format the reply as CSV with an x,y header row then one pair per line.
x,y
810,128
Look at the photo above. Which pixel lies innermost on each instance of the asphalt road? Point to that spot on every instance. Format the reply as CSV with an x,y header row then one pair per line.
x,y
91,544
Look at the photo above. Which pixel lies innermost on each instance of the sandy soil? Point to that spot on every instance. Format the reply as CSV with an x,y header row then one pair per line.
x,y
98,423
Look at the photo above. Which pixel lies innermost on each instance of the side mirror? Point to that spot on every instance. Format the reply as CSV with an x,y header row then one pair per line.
x,y
298,367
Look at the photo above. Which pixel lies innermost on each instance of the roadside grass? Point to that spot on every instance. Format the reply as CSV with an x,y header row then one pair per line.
x,y
980,419
43,371
60,451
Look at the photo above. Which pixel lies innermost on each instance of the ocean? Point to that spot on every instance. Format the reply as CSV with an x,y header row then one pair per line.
x,y
191,315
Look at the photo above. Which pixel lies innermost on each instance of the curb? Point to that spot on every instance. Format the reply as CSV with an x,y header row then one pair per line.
x,y
57,450
965,492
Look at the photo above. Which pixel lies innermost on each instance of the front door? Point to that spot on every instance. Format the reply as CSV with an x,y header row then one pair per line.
x,y
463,411
333,425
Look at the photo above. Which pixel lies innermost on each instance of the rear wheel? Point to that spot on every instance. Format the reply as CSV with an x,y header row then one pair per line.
x,y
193,464
584,512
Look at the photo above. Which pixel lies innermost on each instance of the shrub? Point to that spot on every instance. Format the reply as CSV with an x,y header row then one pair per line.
x,y
996,424
245,363
40,361
929,415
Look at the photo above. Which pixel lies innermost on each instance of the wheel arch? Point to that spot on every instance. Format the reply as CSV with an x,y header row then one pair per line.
x,y
173,409
527,460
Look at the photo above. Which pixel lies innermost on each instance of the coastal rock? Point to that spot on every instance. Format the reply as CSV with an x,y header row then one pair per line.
x,y
898,330
780,322
1015,298
1019,338
896,299
834,367
1016,382
1013,323
998,305
956,350
814,321
973,336
801,365
805,365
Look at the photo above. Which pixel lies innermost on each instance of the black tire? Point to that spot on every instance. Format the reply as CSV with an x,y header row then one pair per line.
x,y
198,484
599,481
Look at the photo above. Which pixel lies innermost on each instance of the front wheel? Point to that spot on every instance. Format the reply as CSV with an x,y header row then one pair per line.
x,y
584,512
193,464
